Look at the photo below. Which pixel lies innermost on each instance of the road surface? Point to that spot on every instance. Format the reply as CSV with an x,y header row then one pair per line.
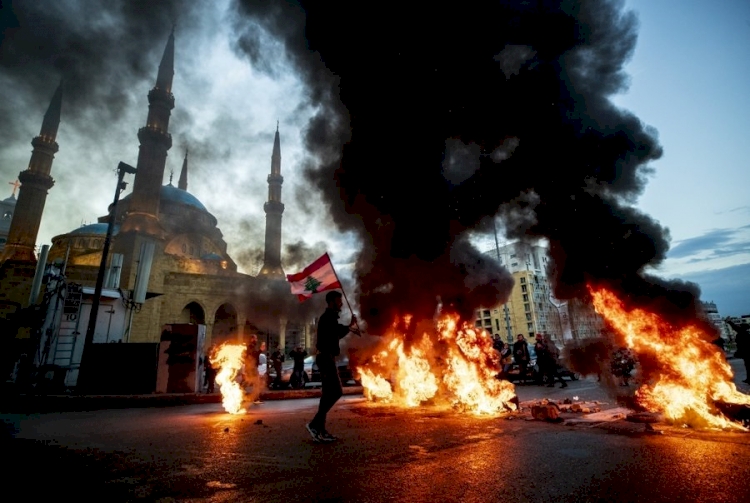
x,y
199,453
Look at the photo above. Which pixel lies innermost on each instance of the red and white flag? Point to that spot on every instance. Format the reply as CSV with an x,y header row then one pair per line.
x,y
317,277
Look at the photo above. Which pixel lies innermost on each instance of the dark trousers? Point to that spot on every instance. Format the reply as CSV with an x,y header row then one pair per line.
x,y
298,378
277,381
332,391
523,367
552,373
548,369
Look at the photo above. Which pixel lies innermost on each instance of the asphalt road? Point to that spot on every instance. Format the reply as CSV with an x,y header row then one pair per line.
x,y
200,453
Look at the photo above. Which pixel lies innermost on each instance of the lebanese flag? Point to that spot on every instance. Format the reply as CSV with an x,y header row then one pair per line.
x,y
317,277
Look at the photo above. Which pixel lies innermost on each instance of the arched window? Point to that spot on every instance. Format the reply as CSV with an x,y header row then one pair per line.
x,y
193,313
225,323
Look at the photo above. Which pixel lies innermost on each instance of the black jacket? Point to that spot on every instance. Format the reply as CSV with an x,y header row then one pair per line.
x,y
521,351
330,331
299,358
742,339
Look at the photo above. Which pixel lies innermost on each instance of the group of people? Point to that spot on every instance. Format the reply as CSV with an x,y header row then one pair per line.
x,y
547,356
254,370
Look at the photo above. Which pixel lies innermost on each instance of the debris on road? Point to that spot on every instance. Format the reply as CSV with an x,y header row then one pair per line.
x,y
567,405
546,412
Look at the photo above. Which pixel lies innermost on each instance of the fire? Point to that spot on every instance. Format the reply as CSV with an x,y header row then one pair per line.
x,y
693,373
375,386
458,368
229,358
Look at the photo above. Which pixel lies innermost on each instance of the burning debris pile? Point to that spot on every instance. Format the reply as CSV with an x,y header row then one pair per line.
x,y
685,376
229,359
456,366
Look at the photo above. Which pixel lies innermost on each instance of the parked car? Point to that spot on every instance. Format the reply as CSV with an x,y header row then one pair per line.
x,y
346,374
286,373
564,371
514,374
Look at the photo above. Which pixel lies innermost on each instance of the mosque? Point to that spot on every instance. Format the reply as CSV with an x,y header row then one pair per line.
x,y
192,277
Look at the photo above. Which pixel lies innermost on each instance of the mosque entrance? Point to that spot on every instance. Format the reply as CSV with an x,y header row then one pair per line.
x,y
225,324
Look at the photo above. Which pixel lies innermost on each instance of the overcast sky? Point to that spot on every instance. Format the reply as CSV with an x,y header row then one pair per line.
x,y
225,115
689,81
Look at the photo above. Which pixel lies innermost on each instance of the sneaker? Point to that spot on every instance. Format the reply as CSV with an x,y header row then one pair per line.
x,y
315,434
325,436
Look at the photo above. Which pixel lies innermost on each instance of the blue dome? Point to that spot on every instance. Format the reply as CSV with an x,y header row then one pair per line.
x,y
212,256
99,228
173,194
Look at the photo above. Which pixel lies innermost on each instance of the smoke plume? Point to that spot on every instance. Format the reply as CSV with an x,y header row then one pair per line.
x,y
96,48
431,119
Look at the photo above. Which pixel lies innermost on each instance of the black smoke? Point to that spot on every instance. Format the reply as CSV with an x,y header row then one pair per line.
x,y
99,50
431,118
428,120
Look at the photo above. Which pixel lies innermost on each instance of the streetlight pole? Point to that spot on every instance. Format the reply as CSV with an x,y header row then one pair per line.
x,y
509,333
122,169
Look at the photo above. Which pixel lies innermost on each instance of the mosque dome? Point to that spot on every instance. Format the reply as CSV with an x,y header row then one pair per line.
x,y
171,194
98,228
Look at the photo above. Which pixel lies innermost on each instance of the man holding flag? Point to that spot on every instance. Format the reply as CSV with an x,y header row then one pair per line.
x,y
318,277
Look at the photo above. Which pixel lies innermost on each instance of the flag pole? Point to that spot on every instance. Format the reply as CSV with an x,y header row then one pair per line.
x,y
356,323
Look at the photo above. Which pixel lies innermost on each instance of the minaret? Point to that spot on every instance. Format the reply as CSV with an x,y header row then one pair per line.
x,y
274,209
35,182
182,184
142,216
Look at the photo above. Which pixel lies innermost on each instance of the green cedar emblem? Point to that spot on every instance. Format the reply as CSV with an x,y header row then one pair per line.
x,y
312,284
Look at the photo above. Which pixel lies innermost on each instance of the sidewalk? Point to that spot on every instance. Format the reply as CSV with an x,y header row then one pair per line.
x,y
35,404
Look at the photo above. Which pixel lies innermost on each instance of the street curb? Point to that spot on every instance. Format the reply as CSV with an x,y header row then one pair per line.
x,y
305,393
37,404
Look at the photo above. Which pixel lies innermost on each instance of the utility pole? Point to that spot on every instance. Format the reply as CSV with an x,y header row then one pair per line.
x,y
122,169
506,314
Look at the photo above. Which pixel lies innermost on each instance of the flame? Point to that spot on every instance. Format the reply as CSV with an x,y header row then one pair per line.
x,y
693,373
229,358
464,357
375,386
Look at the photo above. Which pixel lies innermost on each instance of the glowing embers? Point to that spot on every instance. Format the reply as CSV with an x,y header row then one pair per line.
x,y
457,369
229,358
691,374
